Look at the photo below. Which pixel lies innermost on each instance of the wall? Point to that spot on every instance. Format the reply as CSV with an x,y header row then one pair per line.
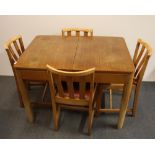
x,y
129,27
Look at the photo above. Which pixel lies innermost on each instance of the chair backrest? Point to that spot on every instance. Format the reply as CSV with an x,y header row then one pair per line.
x,y
70,87
14,48
77,32
141,56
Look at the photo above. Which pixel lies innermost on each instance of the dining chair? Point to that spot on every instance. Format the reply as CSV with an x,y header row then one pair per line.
x,y
141,57
15,48
68,32
70,96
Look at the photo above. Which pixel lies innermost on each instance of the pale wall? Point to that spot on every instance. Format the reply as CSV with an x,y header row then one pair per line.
x,y
129,27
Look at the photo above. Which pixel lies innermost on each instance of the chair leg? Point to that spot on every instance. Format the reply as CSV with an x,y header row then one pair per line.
x,y
90,121
20,99
44,92
56,111
110,98
135,102
28,86
58,114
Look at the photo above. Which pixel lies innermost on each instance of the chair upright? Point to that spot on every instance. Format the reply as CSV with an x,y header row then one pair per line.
x,y
68,32
141,57
15,48
65,94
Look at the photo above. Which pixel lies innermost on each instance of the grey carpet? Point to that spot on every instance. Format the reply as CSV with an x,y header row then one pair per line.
x,y
13,123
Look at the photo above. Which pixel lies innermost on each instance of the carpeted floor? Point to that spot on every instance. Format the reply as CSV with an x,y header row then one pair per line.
x,y
13,123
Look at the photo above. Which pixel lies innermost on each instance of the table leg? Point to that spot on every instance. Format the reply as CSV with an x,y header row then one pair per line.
x,y
124,101
98,98
24,93
19,94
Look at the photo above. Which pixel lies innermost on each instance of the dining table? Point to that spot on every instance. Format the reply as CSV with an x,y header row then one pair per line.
x,y
108,54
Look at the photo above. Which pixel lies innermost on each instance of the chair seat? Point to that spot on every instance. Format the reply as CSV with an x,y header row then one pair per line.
x,y
77,94
116,87
119,87
36,83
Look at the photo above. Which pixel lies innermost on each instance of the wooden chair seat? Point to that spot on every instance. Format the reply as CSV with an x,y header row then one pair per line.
x,y
32,84
119,87
76,95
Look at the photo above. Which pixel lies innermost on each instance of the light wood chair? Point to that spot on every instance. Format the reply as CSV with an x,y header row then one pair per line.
x,y
70,97
141,57
68,32
15,48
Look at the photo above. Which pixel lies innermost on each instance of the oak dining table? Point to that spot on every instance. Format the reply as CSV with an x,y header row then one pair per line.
x,y
109,56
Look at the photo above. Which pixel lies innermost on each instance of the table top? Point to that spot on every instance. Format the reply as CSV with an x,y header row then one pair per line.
x,y
106,54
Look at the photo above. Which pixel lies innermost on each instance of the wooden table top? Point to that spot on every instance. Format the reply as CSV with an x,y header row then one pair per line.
x,y
106,54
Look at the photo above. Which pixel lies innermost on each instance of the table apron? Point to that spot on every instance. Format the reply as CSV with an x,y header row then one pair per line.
x,y
100,77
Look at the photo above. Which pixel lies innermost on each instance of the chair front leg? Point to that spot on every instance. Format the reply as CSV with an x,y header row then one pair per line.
x,y
91,111
44,92
56,111
110,98
90,120
135,102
